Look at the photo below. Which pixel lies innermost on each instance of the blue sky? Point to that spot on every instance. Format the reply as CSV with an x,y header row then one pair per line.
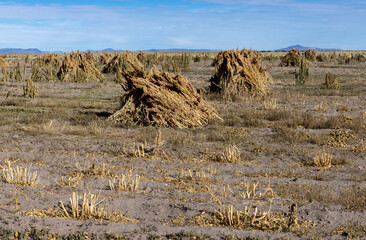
x,y
215,24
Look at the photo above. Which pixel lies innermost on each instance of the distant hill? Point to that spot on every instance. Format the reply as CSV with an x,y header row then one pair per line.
x,y
180,49
19,50
156,50
302,48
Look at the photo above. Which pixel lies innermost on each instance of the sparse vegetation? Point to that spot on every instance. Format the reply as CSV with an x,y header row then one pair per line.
x,y
287,164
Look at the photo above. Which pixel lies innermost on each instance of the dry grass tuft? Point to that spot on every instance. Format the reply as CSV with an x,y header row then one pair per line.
x,y
124,182
231,154
291,59
251,218
71,182
159,99
19,176
238,73
82,207
321,107
323,160
270,104
89,207
93,170
79,67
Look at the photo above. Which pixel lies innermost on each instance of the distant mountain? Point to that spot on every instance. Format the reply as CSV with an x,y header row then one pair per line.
x,y
19,50
180,49
156,50
104,50
302,48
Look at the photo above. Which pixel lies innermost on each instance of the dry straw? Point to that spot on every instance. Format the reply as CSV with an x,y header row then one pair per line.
x,y
30,89
79,67
238,73
331,81
104,58
310,55
156,98
126,64
3,62
291,59
49,58
20,176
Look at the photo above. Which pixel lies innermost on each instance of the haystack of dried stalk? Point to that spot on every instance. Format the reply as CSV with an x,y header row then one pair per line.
x,y
238,73
3,62
310,55
156,98
125,63
291,59
79,67
141,57
50,59
104,58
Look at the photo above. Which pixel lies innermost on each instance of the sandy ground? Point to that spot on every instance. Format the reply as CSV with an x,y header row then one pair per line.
x,y
65,137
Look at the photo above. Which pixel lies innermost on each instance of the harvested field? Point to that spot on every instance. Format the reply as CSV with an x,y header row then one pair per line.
x,y
291,165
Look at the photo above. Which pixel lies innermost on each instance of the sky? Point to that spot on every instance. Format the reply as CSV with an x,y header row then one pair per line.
x,y
201,24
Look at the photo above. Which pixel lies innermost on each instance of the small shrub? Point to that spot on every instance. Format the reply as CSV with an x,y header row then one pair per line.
x,y
197,58
302,77
5,76
331,81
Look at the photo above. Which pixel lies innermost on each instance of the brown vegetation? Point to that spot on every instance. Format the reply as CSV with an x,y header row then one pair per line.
x,y
238,73
310,55
159,99
291,59
3,62
78,67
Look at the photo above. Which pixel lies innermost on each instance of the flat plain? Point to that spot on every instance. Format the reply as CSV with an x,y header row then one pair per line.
x,y
288,165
